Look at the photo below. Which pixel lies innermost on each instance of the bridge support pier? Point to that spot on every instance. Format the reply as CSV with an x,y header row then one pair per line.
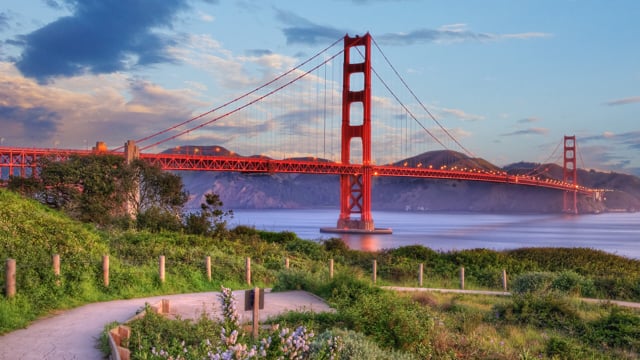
x,y
355,189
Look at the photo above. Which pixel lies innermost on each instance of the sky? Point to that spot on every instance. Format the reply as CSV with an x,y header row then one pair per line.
x,y
508,78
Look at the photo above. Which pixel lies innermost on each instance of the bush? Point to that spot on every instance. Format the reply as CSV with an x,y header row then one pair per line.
x,y
571,283
532,282
620,328
295,279
542,311
357,346
391,320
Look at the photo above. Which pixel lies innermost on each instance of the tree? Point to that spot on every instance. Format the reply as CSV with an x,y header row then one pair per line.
x,y
211,219
28,187
158,197
90,188
103,188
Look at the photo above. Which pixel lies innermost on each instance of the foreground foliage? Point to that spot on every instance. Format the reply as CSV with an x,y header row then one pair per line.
x,y
542,320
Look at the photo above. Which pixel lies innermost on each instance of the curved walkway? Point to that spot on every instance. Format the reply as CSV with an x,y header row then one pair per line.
x,y
74,334
506,293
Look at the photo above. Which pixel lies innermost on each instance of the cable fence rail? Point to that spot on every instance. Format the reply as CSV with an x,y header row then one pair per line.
x,y
160,268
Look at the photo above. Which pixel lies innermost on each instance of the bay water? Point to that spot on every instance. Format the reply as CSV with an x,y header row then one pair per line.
x,y
617,233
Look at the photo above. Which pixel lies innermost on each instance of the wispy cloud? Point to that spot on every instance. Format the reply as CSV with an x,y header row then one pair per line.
x,y
460,114
529,131
528,120
451,33
299,30
100,37
4,21
624,101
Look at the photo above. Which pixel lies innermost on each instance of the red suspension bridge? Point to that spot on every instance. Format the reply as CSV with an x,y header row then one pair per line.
x,y
328,130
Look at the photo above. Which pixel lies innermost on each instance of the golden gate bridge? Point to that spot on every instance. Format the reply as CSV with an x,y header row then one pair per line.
x,y
326,131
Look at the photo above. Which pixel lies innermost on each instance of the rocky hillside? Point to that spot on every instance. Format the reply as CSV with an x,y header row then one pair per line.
x,y
255,191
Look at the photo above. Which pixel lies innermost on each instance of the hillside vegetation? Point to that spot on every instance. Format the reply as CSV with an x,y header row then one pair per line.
x,y
449,326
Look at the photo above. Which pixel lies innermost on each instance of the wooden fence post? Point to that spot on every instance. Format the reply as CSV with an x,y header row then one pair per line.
x,y
375,271
420,274
105,270
248,270
462,277
256,313
161,268
55,260
207,264
330,268
504,280
10,281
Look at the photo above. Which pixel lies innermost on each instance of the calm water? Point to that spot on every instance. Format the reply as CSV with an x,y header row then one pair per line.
x,y
617,233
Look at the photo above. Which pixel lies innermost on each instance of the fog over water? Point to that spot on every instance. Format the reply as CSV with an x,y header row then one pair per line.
x,y
617,233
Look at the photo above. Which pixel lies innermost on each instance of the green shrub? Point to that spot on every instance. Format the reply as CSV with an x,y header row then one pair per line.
x,y
283,237
571,283
532,282
541,310
357,346
560,348
620,328
297,279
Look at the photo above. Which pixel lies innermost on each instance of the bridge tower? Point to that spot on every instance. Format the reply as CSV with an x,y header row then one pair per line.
x,y
355,189
570,175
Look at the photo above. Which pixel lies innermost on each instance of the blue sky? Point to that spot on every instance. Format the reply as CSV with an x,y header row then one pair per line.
x,y
508,78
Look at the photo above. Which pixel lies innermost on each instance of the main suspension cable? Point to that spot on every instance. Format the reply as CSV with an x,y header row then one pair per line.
x,y
245,105
469,153
235,99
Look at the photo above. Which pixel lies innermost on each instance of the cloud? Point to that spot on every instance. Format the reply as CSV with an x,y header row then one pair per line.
x,y
529,131
206,17
99,37
227,69
528,120
110,107
625,101
460,114
631,138
612,151
449,34
299,30
4,21
258,52
36,123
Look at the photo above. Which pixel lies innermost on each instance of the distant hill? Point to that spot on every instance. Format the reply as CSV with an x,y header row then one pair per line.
x,y
277,191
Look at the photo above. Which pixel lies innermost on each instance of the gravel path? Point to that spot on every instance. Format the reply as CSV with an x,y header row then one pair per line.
x,y
74,334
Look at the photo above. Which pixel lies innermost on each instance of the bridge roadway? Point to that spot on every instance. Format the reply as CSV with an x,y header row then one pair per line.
x,y
24,161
